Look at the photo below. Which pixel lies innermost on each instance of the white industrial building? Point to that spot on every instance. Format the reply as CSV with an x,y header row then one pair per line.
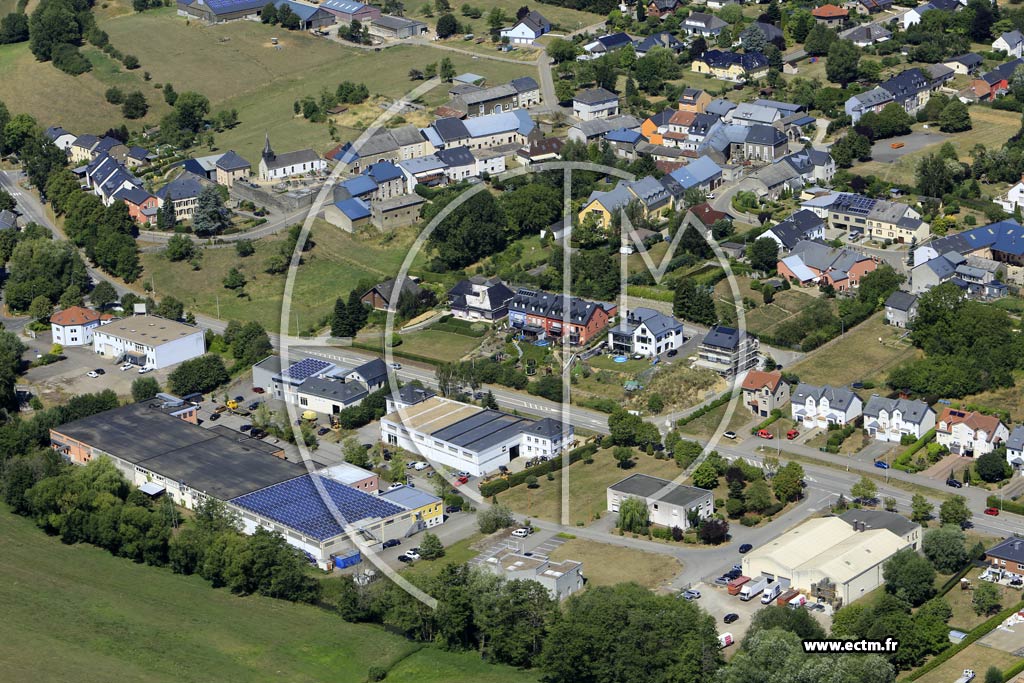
x,y
149,341
668,504
561,579
319,385
469,438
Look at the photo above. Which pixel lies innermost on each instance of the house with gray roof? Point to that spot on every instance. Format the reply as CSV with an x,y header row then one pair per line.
x,y
480,298
819,406
866,35
386,26
8,221
890,419
591,131
814,263
703,24
668,504
595,103
802,225
1011,42
1015,448
728,351
528,29
750,113
900,309
474,101
873,100
813,165
647,332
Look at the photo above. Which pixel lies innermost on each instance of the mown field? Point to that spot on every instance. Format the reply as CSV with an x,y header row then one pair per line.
x,y
607,565
78,613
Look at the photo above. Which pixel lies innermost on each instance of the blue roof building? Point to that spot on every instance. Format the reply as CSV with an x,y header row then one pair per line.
x,y
700,172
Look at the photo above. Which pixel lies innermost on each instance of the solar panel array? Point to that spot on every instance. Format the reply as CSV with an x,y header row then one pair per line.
x,y
305,368
223,6
297,504
857,204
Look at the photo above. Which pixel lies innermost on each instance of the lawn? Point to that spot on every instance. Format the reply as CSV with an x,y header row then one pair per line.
x,y
964,616
564,18
704,426
764,317
457,553
88,616
857,356
587,488
328,271
607,565
443,346
974,656
1010,399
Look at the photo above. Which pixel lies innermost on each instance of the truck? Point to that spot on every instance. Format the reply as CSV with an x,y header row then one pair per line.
x,y
786,597
725,640
798,601
753,588
771,593
966,678
736,584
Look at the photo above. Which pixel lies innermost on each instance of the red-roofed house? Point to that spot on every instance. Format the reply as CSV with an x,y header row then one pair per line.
x,y
74,326
764,392
830,15
969,433
707,215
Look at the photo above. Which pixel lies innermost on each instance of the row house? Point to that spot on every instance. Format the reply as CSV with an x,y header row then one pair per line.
x,y
969,433
821,406
890,419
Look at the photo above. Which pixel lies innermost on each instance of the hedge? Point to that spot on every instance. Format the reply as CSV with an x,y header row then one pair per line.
x,y
767,422
492,488
1013,670
902,460
1006,505
652,293
704,410
605,405
454,328
979,631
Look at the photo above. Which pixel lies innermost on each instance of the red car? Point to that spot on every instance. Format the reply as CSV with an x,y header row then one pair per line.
x,y
765,434
461,480
792,434
992,511
258,390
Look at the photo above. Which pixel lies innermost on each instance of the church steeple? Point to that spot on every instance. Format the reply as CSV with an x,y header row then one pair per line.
x,y
268,153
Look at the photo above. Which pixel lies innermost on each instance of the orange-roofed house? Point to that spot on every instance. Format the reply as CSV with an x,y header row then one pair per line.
x,y
74,326
969,433
655,126
678,133
830,15
764,392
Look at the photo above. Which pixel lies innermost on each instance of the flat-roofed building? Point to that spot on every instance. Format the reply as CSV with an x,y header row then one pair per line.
x,y
350,475
149,341
561,579
668,504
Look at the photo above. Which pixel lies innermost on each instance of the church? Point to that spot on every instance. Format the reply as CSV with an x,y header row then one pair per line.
x,y
281,166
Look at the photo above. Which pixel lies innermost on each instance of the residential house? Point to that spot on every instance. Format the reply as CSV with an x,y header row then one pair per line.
x,y
87,148
183,193
1011,42
814,264
702,173
519,93
821,406
875,6
593,131
385,144
652,195
749,114
913,16
512,128
900,309
383,297
890,419
764,392
655,126
480,298
669,504
694,100
231,167
702,24
964,64
996,82
74,326
1007,558
762,143
878,219
661,8
866,35
429,171
604,45
539,151
106,177
80,151
595,103
646,332
727,351
528,29
61,139
283,166
814,166
969,433
802,225
397,211
459,162
348,214
348,11
830,15
542,315
704,216
911,89
1014,197
310,17
396,28
1015,448
731,66
873,100
663,40
142,206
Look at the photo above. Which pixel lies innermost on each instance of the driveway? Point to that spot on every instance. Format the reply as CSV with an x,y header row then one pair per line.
x,y
914,142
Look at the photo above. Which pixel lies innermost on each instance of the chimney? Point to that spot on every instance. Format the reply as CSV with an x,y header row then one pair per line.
x,y
1016,545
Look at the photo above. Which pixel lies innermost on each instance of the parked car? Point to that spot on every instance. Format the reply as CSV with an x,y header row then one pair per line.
x,y
258,390
419,466
257,433
672,353
730,617
465,474
404,558
792,434
100,371
765,434
992,511
722,581
144,370
881,464
239,399
214,417
245,428
730,435
254,405
690,594
396,366
461,480
127,366
413,553
92,373
745,548
522,532
322,431
391,543
954,483
452,509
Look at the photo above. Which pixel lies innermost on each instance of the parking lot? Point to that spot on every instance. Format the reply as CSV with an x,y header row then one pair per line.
x,y
716,601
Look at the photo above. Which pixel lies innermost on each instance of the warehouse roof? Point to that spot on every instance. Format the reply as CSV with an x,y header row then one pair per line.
x,y
880,519
149,330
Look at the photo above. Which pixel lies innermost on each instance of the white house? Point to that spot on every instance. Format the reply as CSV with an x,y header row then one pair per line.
x,y
1011,42
889,419
821,406
668,504
60,138
281,166
528,29
149,341
1013,198
74,326
595,103
647,332
969,433
1015,448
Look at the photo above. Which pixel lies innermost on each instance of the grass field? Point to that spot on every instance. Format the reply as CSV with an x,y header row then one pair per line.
x,y
607,565
857,356
328,271
587,484
705,425
964,616
1010,399
567,19
974,656
443,346
78,613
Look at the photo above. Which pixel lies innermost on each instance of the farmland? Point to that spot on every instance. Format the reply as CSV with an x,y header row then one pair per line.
x,y
110,619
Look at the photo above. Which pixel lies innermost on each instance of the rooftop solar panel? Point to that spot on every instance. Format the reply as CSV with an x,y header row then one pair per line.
x,y
305,368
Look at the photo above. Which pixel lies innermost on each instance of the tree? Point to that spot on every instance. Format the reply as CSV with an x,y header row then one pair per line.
x,y
102,295
447,26
800,24
40,309
341,322
954,511
166,218
180,248
446,71
819,40
489,401
955,118
788,482
244,248
494,518
210,215
623,456
561,50
986,598
920,509
944,547
705,476
114,95
135,105
842,62
694,303
909,576
358,312
753,39
713,531
864,490
198,375
144,388
234,280
633,516
800,622
994,675
764,254
14,28
354,453
993,467
430,547
852,146
758,496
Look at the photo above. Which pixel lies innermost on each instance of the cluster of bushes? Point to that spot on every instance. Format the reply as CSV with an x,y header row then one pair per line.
x,y
774,417
458,327
704,410
837,435
133,105
605,405
314,109
495,487
373,407
903,460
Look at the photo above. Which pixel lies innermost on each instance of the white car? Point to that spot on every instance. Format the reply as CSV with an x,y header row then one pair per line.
x,y
394,486
127,366
420,466
93,374
522,532
144,370
412,553
396,366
